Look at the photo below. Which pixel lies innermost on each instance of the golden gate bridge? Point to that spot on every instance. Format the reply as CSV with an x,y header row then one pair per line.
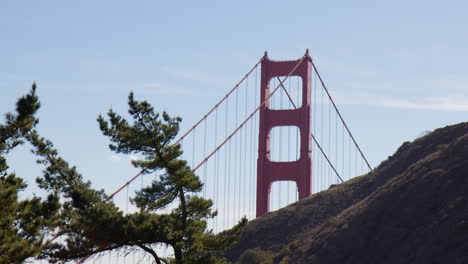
x,y
276,137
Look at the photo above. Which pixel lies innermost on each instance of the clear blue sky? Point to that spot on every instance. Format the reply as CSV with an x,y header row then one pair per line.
x,y
395,68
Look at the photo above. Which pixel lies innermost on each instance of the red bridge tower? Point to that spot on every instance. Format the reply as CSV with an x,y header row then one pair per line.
x,y
299,171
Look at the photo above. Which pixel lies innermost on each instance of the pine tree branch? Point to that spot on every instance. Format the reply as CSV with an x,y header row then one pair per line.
x,y
151,251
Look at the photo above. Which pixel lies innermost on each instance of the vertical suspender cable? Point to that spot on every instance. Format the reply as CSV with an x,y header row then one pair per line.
x,y
272,148
289,142
235,158
342,120
254,171
193,147
229,208
321,143
215,171
343,151
244,176
280,149
314,128
226,177
241,164
300,90
205,175
251,162
349,157
250,173
329,142
336,142
222,100
126,207
355,163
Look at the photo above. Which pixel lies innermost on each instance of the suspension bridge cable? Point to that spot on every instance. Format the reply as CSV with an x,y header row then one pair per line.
x,y
240,168
349,157
225,161
329,139
314,126
336,140
289,96
194,127
280,145
204,118
251,165
343,150
125,185
355,163
126,209
205,174
249,117
362,167
289,144
272,149
222,100
255,140
193,147
235,155
322,168
272,131
228,207
245,143
328,160
338,112
291,102
216,169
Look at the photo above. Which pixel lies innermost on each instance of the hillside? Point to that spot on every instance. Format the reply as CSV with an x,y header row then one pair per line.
x,y
413,208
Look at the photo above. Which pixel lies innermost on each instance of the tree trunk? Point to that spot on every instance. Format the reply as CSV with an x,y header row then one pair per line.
x,y
178,254
152,252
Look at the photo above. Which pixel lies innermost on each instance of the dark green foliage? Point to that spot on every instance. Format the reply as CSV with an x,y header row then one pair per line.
x,y
17,125
23,223
91,222
87,218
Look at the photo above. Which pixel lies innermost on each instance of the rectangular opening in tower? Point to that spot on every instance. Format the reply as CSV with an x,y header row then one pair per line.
x,y
289,93
282,194
285,143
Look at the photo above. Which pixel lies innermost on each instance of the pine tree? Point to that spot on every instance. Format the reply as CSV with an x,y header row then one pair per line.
x,y
23,223
92,223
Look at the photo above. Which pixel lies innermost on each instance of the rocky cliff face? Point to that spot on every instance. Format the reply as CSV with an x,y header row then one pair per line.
x,y
413,208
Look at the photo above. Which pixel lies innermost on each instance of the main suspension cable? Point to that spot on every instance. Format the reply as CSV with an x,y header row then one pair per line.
x,y
342,120
249,117
220,102
326,157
